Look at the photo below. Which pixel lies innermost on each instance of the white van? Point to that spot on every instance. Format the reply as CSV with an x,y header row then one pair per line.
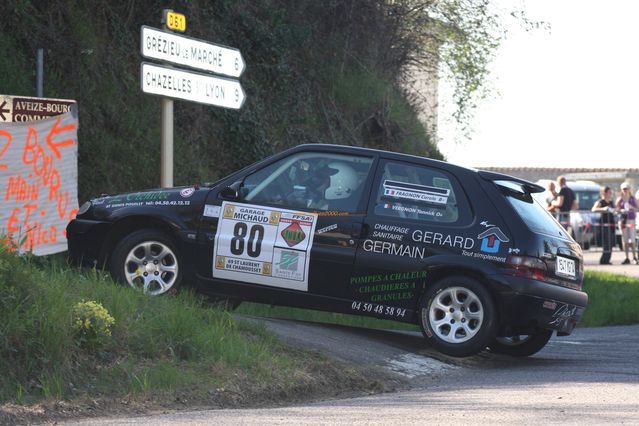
x,y
583,224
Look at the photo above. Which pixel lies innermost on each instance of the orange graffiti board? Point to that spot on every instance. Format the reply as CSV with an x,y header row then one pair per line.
x,y
38,182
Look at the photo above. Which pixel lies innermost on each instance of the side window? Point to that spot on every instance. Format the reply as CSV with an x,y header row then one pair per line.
x,y
319,181
419,193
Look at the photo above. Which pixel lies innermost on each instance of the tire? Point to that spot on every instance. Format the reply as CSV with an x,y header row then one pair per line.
x,y
521,345
457,316
147,260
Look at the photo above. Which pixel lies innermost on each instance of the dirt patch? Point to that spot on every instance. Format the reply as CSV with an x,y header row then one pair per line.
x,y
314,378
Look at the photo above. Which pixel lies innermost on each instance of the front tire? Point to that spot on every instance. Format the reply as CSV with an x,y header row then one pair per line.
x,y
457,316
524,345
147,260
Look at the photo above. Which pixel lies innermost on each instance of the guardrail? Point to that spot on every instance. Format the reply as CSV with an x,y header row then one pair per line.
x,y
587,229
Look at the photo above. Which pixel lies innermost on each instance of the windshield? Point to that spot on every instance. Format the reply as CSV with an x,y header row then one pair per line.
x,y
531,212
586,199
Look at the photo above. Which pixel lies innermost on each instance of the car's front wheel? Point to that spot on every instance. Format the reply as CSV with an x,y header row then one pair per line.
x,y
457,316
524,345
147,260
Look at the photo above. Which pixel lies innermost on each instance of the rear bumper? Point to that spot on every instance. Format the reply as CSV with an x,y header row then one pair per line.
x,y
533,304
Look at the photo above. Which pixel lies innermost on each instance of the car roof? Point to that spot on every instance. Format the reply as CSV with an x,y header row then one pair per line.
x,y
491,176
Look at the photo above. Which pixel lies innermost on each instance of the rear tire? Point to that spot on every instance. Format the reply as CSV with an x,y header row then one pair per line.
x,y
147,260
520,346
457,316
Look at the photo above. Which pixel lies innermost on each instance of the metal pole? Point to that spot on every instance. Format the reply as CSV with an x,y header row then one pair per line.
x,y
40,73
166,135
166,158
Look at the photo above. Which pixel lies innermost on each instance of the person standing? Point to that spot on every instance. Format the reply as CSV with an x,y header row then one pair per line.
x,y
552,196
606,231
564,202
627,206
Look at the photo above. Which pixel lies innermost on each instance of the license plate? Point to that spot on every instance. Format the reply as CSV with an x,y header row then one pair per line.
x,y
565,267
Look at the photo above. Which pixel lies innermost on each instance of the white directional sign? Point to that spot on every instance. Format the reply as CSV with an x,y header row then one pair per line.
x,y
191,86
182,50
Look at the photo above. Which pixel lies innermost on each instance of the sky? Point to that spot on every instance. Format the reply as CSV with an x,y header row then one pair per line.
x,y
565,97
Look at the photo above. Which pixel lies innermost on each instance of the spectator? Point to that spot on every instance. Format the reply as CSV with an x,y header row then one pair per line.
x,y
564,202
606,231
627,206
552,196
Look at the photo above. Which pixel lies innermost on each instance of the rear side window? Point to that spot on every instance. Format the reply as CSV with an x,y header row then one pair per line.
x,y
419,193
534,215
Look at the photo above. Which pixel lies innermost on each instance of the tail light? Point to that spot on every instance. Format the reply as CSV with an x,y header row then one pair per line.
x,y
526,266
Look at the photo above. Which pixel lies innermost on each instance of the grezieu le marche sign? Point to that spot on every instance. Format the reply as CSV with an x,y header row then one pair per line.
x,y
191,52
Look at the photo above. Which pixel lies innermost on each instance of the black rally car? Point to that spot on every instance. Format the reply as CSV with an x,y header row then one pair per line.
x,y
466,254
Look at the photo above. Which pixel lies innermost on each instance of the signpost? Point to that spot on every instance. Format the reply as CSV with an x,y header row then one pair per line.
x,y
191,86
14,109
190,52
174,83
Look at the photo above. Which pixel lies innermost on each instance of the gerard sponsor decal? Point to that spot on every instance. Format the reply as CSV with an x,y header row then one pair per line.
x,y
415,192
441,239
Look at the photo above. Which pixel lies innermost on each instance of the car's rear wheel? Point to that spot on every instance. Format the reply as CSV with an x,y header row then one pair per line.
x,y
524,345
457,316
147,260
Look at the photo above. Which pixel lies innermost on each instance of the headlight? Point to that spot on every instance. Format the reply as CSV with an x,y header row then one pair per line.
x,y
84,208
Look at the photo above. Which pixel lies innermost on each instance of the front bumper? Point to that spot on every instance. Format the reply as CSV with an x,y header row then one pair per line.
x,y
532,304
85,238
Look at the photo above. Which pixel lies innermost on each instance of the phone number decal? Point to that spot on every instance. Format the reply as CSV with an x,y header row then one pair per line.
x,y
388,311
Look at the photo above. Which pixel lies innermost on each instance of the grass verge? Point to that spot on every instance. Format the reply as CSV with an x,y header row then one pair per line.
x,y
161,349
612,299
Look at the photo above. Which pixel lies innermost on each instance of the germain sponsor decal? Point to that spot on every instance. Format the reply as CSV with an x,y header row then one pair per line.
x,y
410,191
385,247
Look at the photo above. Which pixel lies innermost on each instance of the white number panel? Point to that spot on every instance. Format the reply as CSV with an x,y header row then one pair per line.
x,y
264,245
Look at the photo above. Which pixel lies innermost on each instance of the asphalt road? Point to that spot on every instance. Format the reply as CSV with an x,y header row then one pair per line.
x,y
590,377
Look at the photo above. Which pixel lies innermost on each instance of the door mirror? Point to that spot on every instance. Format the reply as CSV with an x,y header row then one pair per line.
x,y
232,191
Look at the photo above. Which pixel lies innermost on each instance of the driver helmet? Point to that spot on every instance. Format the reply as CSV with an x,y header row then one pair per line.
x,y
343,181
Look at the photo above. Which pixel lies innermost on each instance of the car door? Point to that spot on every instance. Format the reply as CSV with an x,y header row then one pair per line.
x,y
294,224
415,211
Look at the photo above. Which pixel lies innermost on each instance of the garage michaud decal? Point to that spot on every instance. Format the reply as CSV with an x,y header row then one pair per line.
x,y
264,245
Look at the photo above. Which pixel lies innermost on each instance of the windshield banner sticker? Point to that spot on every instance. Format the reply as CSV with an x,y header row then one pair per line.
x,y
266,246
411,191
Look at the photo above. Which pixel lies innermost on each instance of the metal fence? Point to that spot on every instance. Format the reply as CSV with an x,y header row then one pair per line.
x,y
590,231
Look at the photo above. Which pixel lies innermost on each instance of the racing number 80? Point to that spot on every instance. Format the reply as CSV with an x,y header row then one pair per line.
x,y
254,243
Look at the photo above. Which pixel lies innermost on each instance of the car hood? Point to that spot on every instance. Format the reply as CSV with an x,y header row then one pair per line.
x,y
179,196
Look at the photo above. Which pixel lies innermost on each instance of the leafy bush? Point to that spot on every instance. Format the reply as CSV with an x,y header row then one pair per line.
x,y
92,323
